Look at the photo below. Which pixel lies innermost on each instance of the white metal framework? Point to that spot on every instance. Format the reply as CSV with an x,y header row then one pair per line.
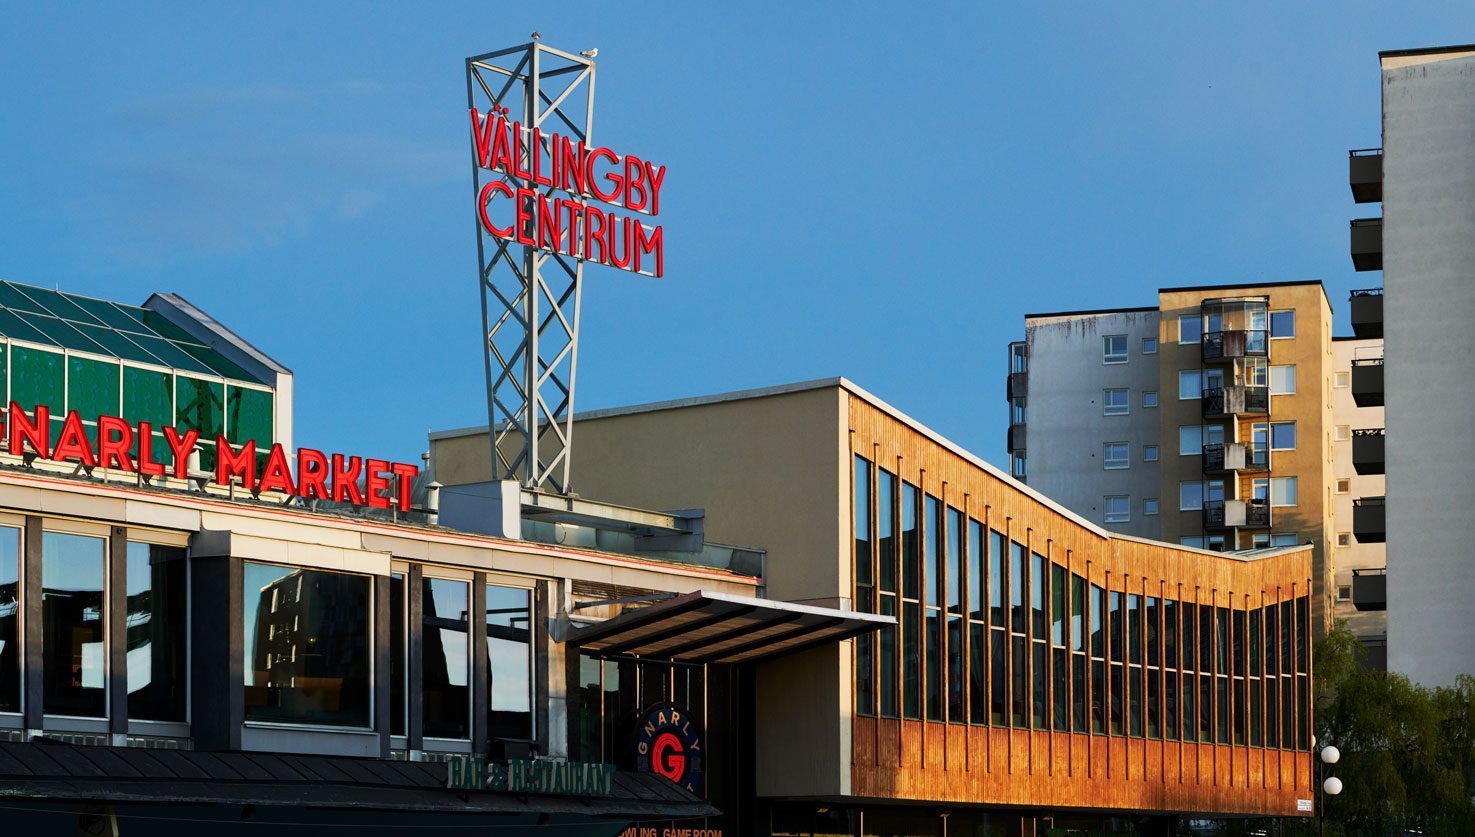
x,y
530,296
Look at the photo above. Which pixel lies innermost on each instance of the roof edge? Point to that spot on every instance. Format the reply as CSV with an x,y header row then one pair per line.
x,y
1434,50
1091,312
217,335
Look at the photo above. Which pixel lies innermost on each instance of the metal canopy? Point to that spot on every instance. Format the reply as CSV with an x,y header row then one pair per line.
x,y
703,627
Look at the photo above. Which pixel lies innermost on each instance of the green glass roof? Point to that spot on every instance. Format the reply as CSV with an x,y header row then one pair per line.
x,y
127,332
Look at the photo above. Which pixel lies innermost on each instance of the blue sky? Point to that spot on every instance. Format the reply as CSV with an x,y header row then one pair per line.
x,y
880,191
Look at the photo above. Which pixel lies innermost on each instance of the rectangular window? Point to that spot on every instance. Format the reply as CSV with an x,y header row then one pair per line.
x,y
1190,496
9,619
1116,455
157,632
1149,345
932,540
1190,440
93,387
306,646
1344,539
446,646
1342,380
1190,384
931,547
1149,506
1282,435
248,415
1283,380
1342,433
1116,402
865,591
510,655
1118,509
1114,348
1190,328
1282,324
1284,539
74,619
954,560
1149,398
399,654
36,377
1149,453
1282,491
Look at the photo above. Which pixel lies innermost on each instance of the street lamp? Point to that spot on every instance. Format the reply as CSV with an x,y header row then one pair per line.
x,y
1331,785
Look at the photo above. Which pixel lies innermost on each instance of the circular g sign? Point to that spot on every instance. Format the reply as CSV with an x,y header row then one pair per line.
x,y
668,743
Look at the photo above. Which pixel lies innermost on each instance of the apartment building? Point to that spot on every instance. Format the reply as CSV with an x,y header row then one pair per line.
x,y
1207,420
1424,176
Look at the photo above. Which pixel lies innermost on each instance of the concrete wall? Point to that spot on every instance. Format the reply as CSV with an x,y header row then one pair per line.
x,y
1429,306
1353,556
1066,423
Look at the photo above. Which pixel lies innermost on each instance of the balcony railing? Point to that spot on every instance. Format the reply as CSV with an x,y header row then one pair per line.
x,y
1016,438
1235,457
1367,244
1235,344
1236,514
1370,589
1367,381
1365,174
1374,652
1367,451
1224,402
1018,387
1367,312
1369,520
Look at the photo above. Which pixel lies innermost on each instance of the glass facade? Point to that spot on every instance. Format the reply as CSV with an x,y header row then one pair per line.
x,y
1044,648
510,655
9,619
306,646
73,571
157,632
446,689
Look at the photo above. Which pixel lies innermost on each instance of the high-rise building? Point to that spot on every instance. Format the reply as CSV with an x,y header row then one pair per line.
x,y
1424,175
1208,420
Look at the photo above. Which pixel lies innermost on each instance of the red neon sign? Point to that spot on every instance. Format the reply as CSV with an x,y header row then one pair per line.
x,y
569,225
386,484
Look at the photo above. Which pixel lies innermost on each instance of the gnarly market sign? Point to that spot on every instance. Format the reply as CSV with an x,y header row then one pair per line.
x,y
545,776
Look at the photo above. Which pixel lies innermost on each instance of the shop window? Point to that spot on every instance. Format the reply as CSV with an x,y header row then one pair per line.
x,y
446,679
158,613
307,646
93,387
510,655
74,617
9,619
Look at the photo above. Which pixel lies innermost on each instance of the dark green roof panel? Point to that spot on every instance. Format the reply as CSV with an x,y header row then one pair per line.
x,y
127,332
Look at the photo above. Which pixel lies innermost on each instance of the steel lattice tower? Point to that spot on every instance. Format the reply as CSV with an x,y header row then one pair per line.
x,y
529,296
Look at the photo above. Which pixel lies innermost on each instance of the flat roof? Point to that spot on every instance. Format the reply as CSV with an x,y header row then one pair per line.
x,y
1092,311
1434,50
860,392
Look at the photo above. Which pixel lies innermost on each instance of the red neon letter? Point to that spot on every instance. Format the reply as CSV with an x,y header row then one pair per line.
x,y
23,430
181,449
276,476
146,463
481,135
232,463
73,442
653,244
114,438
635,184
499,187
312,474
376,482
654,175
406,475
611,177
346,480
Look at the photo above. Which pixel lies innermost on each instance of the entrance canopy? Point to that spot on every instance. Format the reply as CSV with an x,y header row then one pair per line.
x,y
703,627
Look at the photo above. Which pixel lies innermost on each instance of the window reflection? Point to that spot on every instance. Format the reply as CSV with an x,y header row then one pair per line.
x,y
446,673
72,569
155,625
9,619
509,653
306,644
397,654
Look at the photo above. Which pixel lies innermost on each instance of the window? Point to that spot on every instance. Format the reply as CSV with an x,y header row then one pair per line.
x,y
1117,455
1344,486
1344,539
306,646
1259,540
1344,592
1149,398
9,619
1284,539
1342,380
157,631
1149,506
1190,496
1115,348
865,591
1118,509
1283,380
886,577
1282,435
1193,437
446,680
1149,453
1342,433
1282,491
1282,324
510,656
1190,328
1149,345
1190,384
74,616
399,656
1118,402
1214,543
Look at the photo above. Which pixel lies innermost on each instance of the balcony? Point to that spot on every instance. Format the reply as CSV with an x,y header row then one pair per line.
x,y
1220,346
1365,174
1367,451
1367,244
1016,438
1367,312
1230,401
1018,387
1367,381
1370,589
1235,457
1374,652
1369,520
1220,515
